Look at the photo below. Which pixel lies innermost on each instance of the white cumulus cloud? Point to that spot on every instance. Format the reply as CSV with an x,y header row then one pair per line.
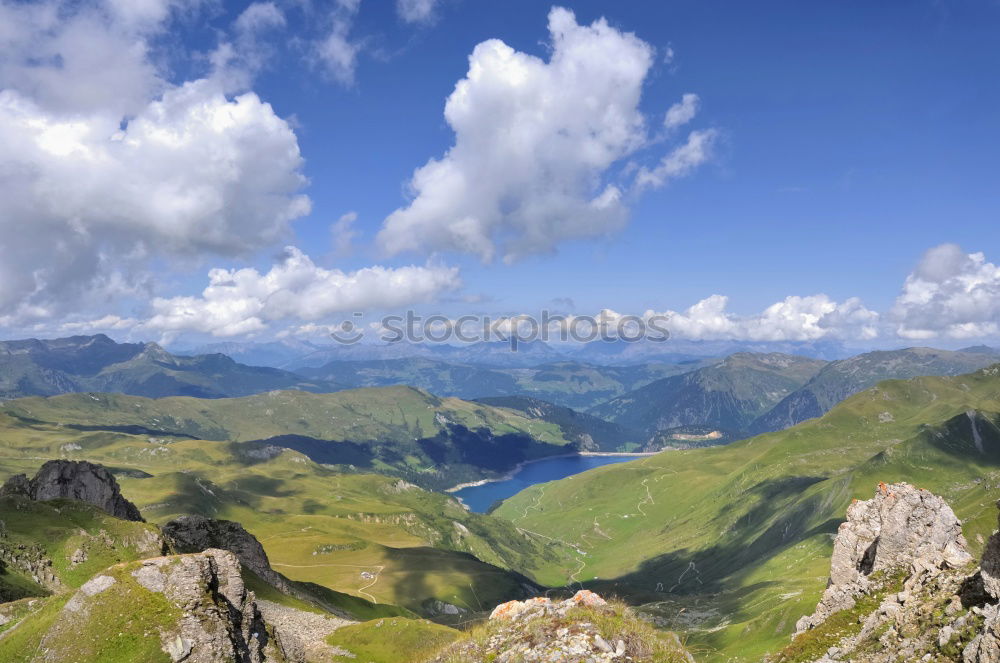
x,y
534,143
106,167
242,301
80,57
193,172
950,294
794,318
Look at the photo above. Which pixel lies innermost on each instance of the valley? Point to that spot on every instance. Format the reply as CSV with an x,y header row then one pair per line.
x,y
722,541
441,331
731,540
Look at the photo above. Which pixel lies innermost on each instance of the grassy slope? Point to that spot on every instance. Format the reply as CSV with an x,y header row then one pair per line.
x,y
361,414
589,432
61,527
411,641
399,430
353,523
845,377
740,536
114,625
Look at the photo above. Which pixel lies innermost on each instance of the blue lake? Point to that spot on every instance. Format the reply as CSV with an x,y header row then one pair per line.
x,y
481,498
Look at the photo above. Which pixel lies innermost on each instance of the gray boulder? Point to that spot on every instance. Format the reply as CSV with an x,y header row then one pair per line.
x,y
74,480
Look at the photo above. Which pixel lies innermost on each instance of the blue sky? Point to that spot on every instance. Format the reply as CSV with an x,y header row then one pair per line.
x,y
849,158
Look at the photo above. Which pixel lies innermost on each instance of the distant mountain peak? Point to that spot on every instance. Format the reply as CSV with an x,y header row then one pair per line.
x,y
33,367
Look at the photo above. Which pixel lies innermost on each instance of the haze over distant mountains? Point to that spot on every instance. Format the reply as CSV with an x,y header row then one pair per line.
x,y
653,403
293,354
35,367
754,393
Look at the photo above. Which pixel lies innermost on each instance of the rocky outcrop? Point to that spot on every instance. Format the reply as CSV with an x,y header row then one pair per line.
x,y
901,528
220,620
541,629
31,560
74,480
192,534
903,588
985,646
194,608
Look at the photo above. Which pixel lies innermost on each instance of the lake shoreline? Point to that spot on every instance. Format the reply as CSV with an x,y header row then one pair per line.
x,y
520,466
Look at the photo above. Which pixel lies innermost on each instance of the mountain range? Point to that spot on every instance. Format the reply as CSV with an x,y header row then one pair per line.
x,y
697,400
728,395
728,545
35,367
293,354
845,377
567,383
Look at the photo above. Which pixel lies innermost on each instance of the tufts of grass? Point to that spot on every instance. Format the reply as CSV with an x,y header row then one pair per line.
x,y
613,622
812,644
394,640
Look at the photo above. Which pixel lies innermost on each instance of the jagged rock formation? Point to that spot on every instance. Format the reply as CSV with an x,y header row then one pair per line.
x,y
903,587
540,629
74,480
985,647
220,619
902,527
194,608
192,534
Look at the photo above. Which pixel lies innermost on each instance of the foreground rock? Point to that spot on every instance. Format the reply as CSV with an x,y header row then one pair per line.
x,y
74,480
301,636
193,608
583,629
902,527
903,587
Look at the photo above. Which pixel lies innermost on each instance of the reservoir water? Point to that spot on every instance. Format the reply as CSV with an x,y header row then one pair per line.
x,y
480,498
